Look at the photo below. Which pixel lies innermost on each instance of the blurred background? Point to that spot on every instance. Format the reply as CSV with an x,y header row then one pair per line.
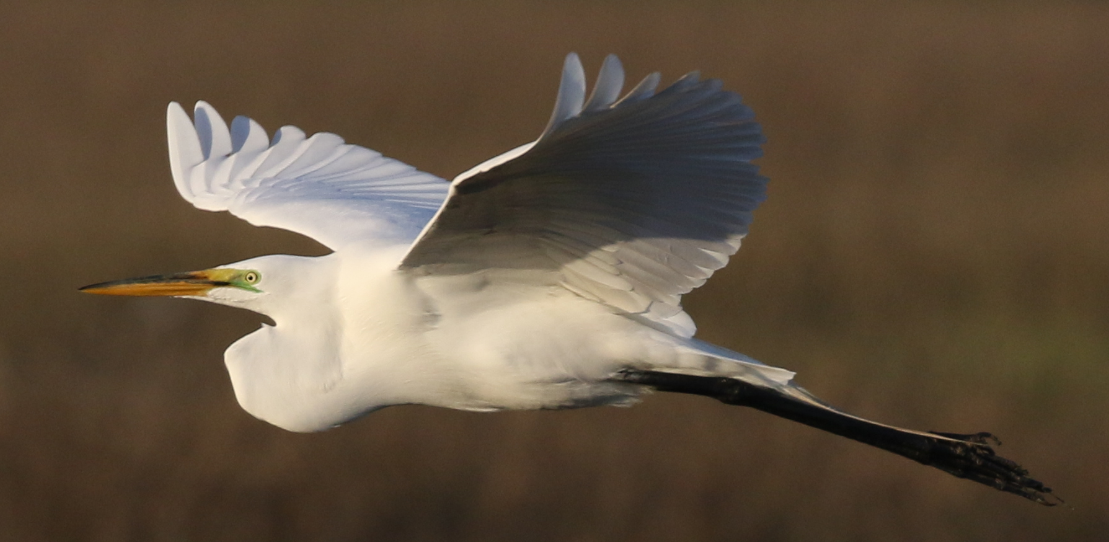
x,y
934,254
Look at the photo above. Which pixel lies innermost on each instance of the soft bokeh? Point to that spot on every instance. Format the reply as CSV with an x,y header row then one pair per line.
x,y
934,254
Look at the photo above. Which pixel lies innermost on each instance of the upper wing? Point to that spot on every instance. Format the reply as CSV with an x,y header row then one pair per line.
x,y
631,202
339,194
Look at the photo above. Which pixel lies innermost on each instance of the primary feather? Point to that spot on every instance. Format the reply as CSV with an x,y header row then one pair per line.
x,y
628,202
339,194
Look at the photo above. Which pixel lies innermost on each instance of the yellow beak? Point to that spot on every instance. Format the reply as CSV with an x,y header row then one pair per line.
x,y
193,283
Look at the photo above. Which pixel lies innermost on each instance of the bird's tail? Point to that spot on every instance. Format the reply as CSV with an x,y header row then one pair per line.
x,y
966,456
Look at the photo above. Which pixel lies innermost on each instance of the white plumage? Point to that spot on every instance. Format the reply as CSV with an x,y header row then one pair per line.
x,y
341,195
527,282
550,276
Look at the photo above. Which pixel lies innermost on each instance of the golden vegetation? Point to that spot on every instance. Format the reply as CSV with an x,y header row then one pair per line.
x,y
935,254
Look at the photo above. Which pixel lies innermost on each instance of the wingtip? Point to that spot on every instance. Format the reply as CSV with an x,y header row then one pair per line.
x,y
215,138
248,136
645,89
571,93
184,147
610,82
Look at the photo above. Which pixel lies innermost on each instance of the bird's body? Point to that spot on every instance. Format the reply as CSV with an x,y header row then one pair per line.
x,y
548,277
466,341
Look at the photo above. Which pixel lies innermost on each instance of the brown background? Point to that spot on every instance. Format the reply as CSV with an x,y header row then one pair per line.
x,y
934,254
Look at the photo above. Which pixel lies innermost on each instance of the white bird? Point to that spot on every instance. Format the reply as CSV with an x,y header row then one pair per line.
x,y
547,277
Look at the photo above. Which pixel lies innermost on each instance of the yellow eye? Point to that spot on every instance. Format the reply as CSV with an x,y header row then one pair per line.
x,y
252,277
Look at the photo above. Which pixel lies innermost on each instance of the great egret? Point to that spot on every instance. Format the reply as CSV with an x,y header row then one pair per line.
x,y
548,277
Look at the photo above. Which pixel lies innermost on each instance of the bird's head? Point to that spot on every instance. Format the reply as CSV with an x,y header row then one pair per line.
x,y
225,285
249,284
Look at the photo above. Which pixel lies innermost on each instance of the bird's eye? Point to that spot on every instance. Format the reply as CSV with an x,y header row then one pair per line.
x,y
252,277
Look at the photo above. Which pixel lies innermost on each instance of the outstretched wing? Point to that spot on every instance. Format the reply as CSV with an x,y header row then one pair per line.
x,y
338,194
628,201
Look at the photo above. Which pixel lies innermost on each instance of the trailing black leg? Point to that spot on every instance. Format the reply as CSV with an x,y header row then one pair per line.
x,y
965,456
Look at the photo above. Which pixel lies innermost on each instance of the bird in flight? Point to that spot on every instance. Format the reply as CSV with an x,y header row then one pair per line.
x,y
547,277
